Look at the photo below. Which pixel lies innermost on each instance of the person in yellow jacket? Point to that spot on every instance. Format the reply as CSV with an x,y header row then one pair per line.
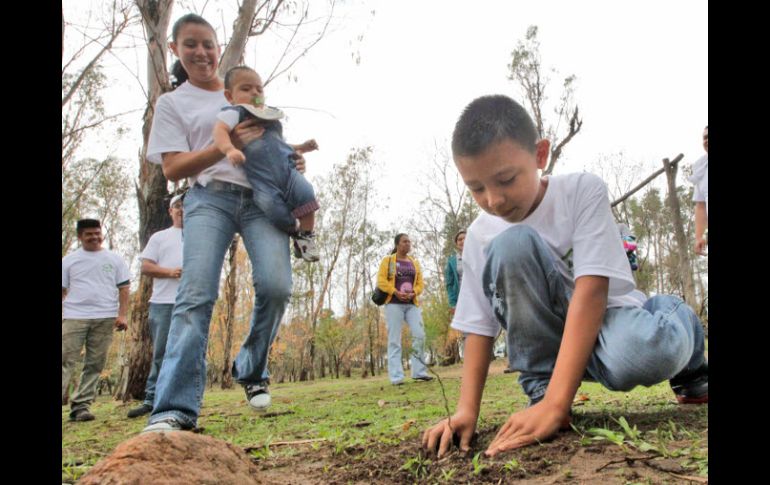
x,y
401,278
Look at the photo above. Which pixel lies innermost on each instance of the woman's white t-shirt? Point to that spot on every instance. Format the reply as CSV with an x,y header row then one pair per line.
x,y
575,221
184,120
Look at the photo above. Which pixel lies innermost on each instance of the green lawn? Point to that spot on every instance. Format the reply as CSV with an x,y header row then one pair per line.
x,y
361,414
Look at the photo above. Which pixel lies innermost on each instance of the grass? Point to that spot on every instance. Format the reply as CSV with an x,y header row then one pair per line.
x,y
358,413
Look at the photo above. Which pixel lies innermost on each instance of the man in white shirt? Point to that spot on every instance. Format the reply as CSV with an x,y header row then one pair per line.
x,y
161,259
94,292
700,178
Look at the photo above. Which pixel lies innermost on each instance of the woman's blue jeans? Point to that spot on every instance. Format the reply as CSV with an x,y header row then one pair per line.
x,y
635,346
395,316
212,216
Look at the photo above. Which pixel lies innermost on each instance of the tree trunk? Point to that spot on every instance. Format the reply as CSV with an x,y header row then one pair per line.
x,y
231,298
683,256
151,194
140,346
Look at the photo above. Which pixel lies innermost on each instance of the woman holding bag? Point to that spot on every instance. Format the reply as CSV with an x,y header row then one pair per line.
x,y
401,278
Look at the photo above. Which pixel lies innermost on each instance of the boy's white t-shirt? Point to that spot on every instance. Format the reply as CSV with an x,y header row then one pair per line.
x,y
91,279
700,179
575,221
165,249
184,121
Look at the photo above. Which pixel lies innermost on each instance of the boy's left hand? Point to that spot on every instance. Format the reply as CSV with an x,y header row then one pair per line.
x,y
529,426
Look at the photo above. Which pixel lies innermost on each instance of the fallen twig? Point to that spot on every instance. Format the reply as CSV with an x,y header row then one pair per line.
x,y
684,477
282,443
689,477
628,459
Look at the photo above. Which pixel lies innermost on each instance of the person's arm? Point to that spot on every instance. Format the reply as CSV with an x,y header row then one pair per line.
x,y
178,165
304,147
418,283
152,269
382,278
224,144
478,351
581,328
701,223
121,322
450,282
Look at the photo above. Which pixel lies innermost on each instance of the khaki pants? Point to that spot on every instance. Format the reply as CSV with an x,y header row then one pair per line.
x,y
96,334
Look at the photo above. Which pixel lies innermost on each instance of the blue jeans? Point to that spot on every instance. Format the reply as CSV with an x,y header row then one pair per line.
x,y
212,216
280,190
159,319
395,315
635,346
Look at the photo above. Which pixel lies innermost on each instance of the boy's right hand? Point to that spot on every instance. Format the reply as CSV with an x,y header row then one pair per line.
x,y
439,438
236,156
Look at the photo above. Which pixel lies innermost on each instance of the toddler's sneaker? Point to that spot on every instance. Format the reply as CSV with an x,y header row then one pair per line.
x,y
304,246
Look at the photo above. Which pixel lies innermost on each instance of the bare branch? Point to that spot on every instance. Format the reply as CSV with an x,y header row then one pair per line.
x,y
93,125
115,32
305,51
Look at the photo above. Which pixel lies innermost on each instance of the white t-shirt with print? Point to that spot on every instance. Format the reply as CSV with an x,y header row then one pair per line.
x,y
91,279
184,121
165,249
575,221
700,179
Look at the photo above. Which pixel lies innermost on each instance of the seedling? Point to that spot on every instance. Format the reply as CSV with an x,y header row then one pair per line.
x,y
477,467
513,465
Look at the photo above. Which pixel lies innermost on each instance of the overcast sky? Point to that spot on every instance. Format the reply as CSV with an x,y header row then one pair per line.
x,y
641,67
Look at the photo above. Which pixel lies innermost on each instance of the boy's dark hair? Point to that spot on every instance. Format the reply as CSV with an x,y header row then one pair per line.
x,y
491,119
231,74
180,75
396,241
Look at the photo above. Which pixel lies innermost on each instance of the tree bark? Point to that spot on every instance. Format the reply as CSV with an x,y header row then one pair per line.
x,y
683,253
231,297
151,195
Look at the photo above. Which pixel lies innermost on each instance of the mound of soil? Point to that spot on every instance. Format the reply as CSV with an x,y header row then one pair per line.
x,y
174,458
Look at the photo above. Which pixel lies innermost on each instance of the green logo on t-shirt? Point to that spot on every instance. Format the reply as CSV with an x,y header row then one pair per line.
x,y
107,268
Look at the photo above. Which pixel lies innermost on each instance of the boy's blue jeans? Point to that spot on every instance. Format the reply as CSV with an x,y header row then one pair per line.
x,y
280,191
635,346
395,315
212,216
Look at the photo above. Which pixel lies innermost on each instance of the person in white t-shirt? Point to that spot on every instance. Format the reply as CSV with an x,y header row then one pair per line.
x,y
700,195
218,205
94,291
544,261
162,260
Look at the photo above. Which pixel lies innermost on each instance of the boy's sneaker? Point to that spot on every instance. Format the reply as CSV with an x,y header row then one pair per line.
x,y
82,414
304,246
141,410
423,378
167,424
692,388
258,396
